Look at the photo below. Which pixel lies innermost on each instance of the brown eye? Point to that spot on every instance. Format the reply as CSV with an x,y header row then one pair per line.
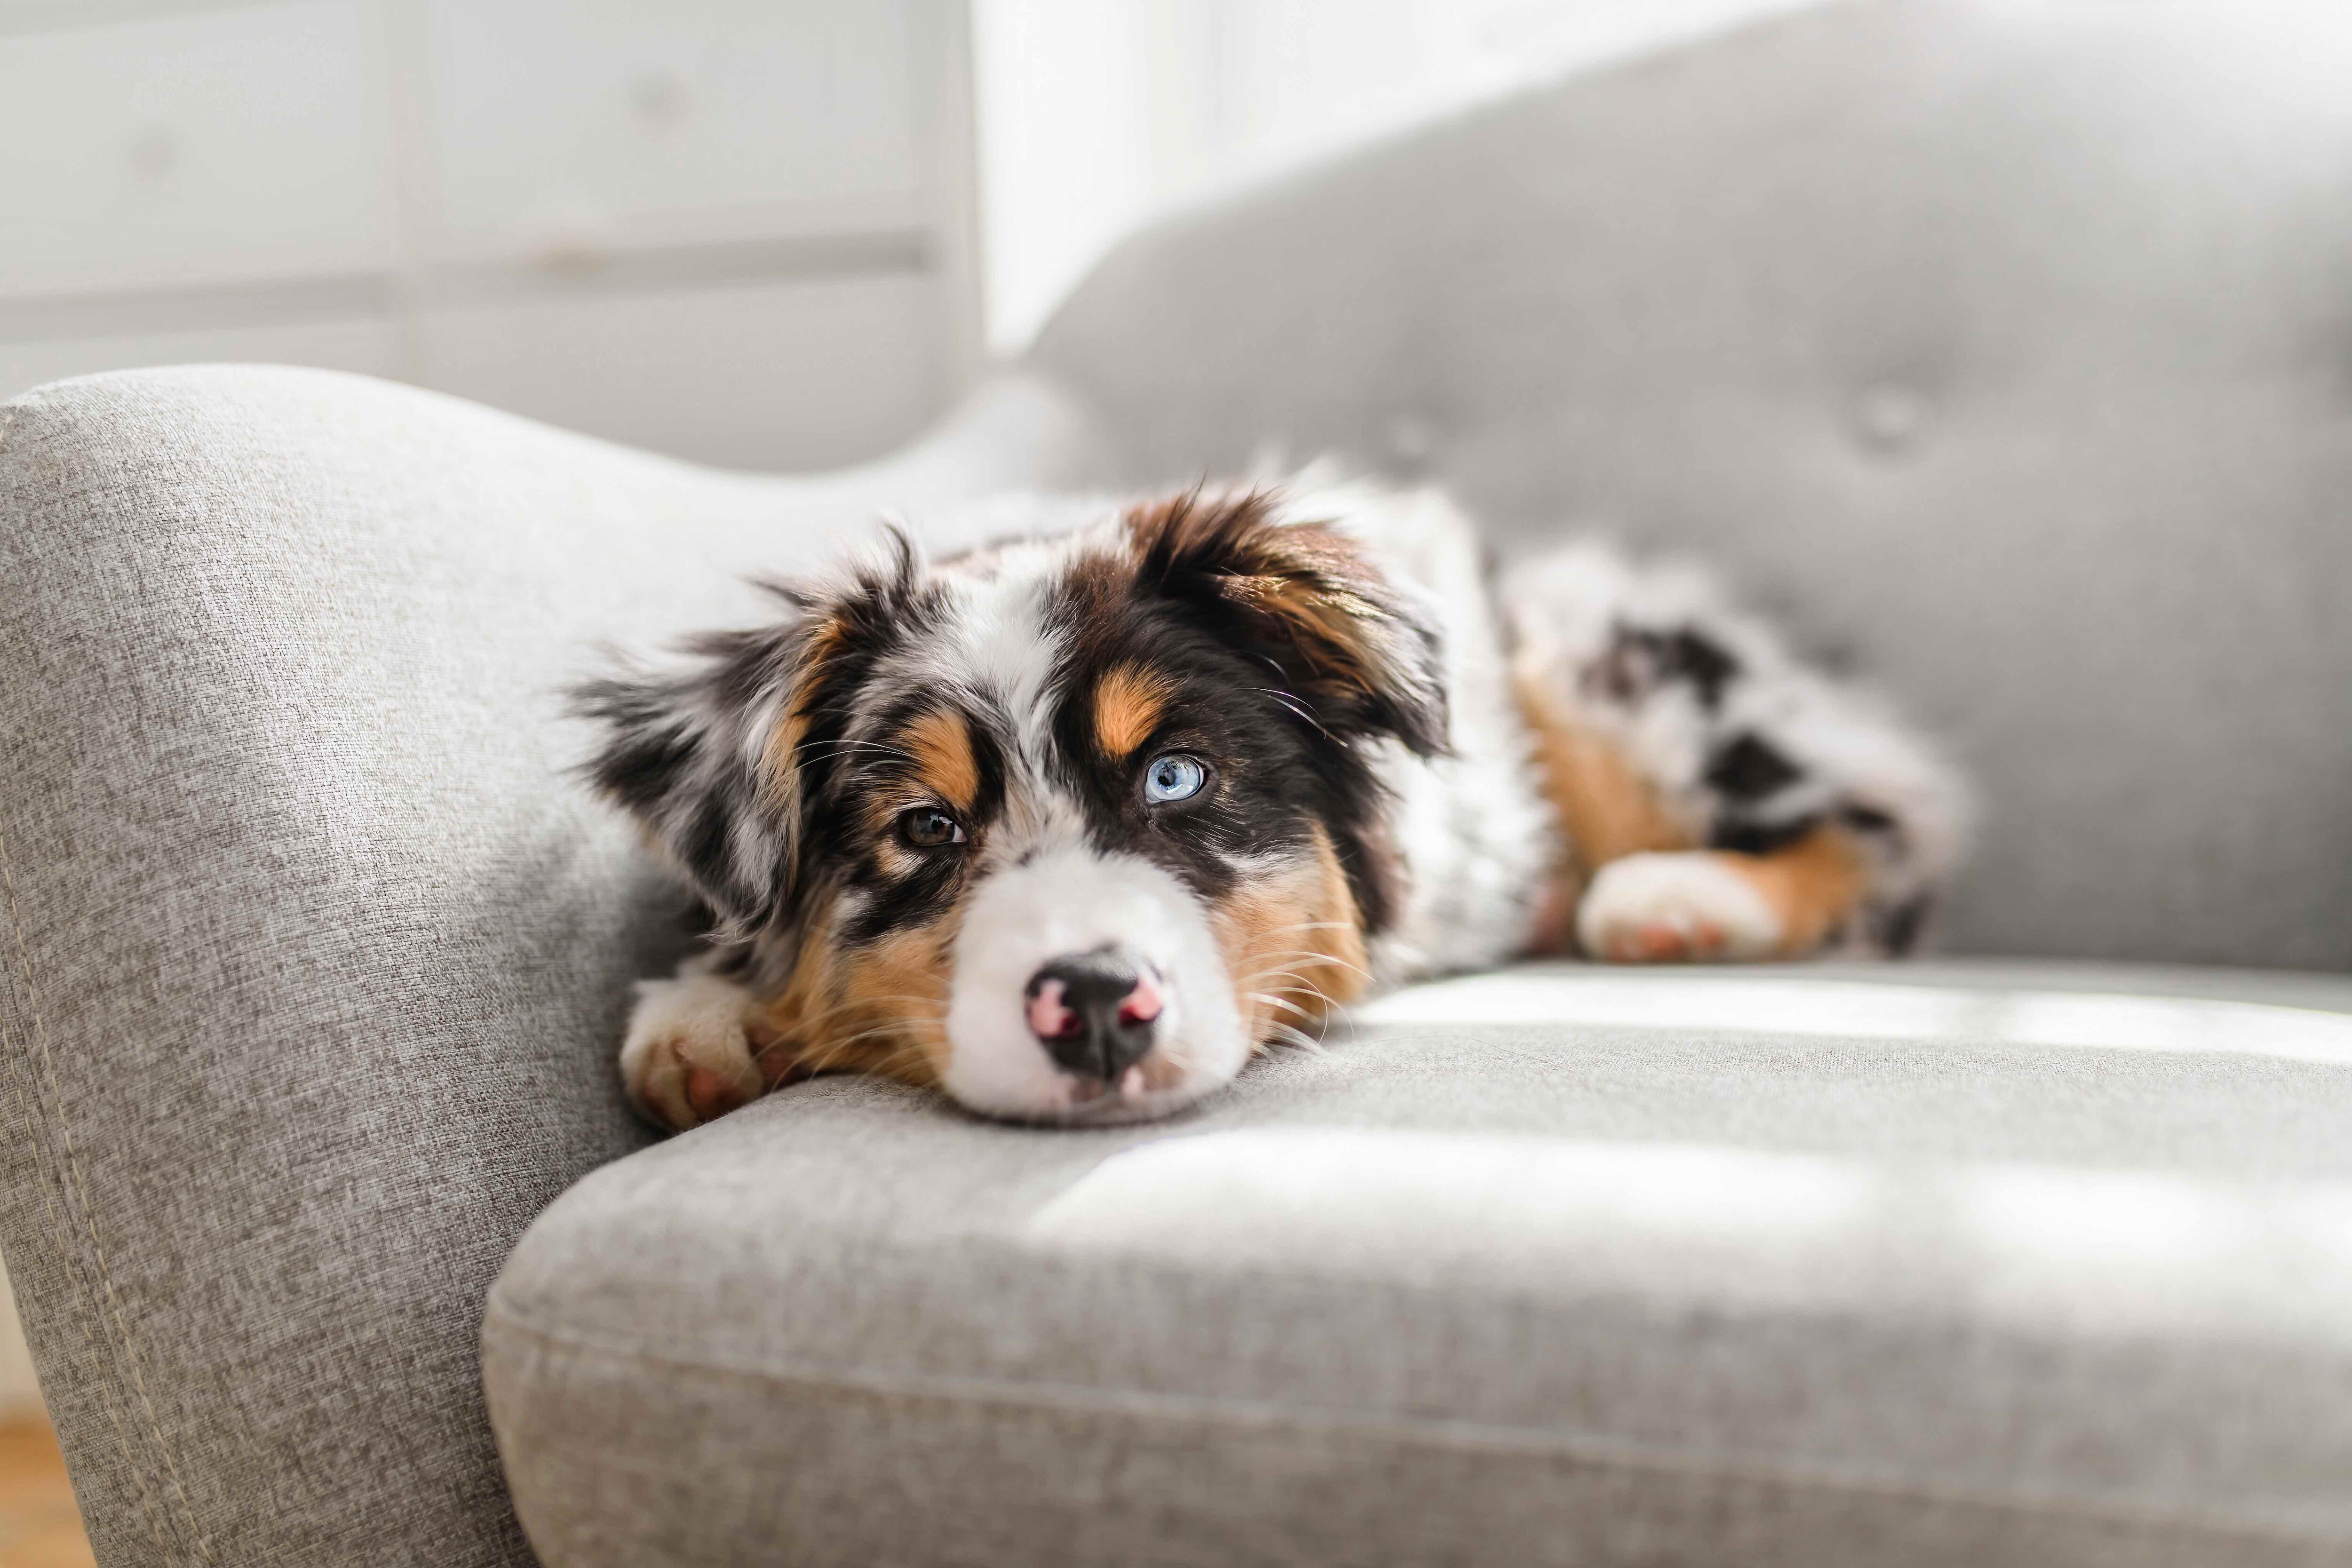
x,y
929,827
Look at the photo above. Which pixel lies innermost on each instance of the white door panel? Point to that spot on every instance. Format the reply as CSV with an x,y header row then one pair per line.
x,y
219,146
559,125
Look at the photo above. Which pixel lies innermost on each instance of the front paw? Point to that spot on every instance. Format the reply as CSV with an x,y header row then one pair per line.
x,y
1658,908
686,1059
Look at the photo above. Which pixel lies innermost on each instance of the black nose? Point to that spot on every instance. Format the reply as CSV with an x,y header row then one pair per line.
x,y
1094,1012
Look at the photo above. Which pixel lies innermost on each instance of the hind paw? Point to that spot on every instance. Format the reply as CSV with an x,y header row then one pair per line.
x,y
1660,908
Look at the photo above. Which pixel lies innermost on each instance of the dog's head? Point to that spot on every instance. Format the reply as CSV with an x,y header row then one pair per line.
x,y
1071,826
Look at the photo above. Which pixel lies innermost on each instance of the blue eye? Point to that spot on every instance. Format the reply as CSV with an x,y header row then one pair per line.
x,y
1172,778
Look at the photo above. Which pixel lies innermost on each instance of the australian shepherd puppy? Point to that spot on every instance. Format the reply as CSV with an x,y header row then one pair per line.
x,y
1072,826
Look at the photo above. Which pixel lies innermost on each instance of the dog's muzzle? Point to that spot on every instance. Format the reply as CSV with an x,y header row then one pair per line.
x,y
1095,1013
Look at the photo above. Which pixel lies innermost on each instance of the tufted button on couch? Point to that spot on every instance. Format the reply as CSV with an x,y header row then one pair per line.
x,y
2005,346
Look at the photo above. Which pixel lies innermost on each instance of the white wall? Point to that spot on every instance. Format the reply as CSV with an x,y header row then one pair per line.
x,y
1096,116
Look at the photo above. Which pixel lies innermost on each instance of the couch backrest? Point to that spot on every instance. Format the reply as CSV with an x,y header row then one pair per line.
x,y
2005,347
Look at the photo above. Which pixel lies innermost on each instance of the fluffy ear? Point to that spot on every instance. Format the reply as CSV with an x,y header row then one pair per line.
x,y
1362,656
720,759
690,755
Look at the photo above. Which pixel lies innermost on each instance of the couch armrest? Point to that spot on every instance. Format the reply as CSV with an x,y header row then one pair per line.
x,y
314,956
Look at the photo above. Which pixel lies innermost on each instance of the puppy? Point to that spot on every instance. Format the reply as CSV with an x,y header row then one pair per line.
x,y
1071,826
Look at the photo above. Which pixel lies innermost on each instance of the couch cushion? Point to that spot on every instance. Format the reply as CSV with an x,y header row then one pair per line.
x,y
1957,1263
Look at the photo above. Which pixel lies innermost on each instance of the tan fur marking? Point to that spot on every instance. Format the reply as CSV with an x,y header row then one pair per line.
x,y
782,778
880,1008
1813,885
941,743
1294,943
1607,810
825,641
1128,701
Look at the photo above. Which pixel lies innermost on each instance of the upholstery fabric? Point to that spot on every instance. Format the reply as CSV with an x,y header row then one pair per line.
x,y
2002,347
1947,1264
315,956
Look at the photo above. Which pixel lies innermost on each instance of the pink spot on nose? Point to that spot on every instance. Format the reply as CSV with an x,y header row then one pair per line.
x,y
1141,1004
1049,1019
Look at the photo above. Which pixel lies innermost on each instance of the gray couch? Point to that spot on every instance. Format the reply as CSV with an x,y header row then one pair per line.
x,y
2007,346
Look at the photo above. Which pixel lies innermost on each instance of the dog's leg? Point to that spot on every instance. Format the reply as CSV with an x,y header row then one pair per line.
x,y
1719,798
687,1058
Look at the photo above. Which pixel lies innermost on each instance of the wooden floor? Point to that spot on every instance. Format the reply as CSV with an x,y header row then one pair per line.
x,y
38,1526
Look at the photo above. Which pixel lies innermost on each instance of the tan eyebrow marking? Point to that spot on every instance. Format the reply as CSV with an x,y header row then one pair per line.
x,y
1128,701
942,743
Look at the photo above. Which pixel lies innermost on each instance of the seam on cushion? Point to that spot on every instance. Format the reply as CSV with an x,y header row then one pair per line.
x,y
1204,1410
78,1188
